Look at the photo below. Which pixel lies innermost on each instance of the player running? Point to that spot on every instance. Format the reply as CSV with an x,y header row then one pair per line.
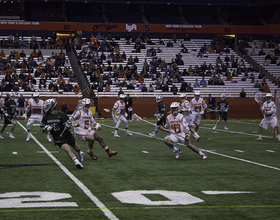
x,y
179,131
54,122
160,115
198,106
269,113
186,111
118,114
36,107
9,110
83,121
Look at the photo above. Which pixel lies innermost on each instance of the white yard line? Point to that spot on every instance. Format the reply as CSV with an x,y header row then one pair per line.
x,y
211,151
93,198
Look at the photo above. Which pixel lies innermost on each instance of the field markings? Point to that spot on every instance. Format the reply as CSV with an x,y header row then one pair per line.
x,y
145,152
93,198
240,151
272,151
211,151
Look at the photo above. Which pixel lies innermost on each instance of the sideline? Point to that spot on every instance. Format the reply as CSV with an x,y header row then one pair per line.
x,y
93,198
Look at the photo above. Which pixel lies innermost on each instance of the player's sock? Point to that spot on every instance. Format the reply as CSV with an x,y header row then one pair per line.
x,y
106,149
175,148
260,136
200,153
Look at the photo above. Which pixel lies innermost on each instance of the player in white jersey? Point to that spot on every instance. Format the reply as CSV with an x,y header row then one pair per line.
x,y
186,111
2,101
179,130
83,123
198,106
36,107
269,113
119,115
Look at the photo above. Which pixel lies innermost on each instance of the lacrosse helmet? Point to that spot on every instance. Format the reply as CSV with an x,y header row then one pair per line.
x,y
12,96
268,95
86,103
223,96
122,97
49,104
159,98
175,107
36,96
183,96
197,92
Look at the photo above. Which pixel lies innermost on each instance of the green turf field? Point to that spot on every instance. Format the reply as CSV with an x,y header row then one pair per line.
x,y
239,180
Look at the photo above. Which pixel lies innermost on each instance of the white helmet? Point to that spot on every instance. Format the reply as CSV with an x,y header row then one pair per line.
x,y
12,96
268,95
159,98
122,96
197,92
36,94
86,101
175,107
183,95
223,96
49,104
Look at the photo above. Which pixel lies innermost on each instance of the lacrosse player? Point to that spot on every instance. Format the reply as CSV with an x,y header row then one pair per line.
x,y
186,111
36,107
9,110
119,115
179,130
269,113
160,115
223,108
198,106
83,121
54,122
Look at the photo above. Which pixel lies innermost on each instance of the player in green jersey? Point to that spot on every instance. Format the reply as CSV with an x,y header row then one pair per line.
x,y
222,107
160,115
58,124
9,110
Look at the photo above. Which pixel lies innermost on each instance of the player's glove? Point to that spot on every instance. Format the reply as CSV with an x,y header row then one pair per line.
x,y
6,114
202,113
68,124
161,128
24,116
187,137
75,124
48,128
125,114
98,126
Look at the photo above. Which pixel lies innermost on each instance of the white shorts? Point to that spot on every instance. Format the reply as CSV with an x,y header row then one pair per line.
x,y
197,118
272,122
177,138
189,119
82,133
31,121
119,118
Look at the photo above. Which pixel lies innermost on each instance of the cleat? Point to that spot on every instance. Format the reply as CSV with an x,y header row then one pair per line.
x,y
258,139
49,139
177,153
116,135
92,155
112,153
203,157
214,127
11,136
79,165
153,135
1,137
28,138
278,139
81,157
197,138
225,128
129,134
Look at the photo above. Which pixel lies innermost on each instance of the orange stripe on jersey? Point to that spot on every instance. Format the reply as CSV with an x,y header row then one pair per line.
x,y
82,135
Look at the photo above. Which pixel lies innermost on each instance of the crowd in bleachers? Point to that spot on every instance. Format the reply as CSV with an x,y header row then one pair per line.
x,y
113,62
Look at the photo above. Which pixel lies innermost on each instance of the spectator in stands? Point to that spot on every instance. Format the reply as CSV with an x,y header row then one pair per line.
x,y
144,88
200,54
174,90
196,83
190,88
258,85
243,93
120,92
130,86
151,88
76,89
184,49
187,38
203,82
271,44
266,88
273,60
261,52
165,87
265,63
169,44
161,42
107,88
64,108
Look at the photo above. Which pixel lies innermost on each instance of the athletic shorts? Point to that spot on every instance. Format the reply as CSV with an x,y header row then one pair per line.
x,y
83,133
67,138
223,116
272,122
8,120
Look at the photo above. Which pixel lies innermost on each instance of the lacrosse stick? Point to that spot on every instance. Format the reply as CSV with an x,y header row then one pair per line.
x,y
258,96
79,107
107,110
215,110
